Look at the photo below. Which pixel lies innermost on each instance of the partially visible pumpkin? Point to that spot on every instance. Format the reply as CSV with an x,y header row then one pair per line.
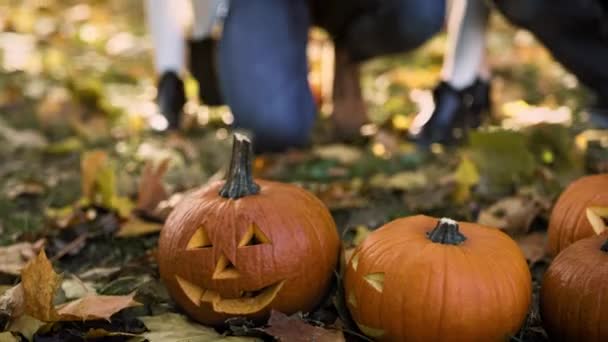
x,y
243,247
423,279
574,293
569,220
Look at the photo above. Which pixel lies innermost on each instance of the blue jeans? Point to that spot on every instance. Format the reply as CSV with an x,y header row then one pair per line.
x,y
263,63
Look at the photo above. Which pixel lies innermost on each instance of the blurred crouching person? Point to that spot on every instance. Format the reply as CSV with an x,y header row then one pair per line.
x,y
263,62
575,32
167,23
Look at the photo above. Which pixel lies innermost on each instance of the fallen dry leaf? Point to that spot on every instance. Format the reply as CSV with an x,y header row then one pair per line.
x,y
294,329
533,246
27,138
387,142
65,146
4,288
466,176
11,304
343,153
93,129
62,217
98,273
406,180
26,326
123,206
52,109
29,188
339,195
520,114
137,227
14,257
7,336
92,307
90,164
40,282
74,288
99,183
430,197
513,215
172,327
99,334
502,157
151,189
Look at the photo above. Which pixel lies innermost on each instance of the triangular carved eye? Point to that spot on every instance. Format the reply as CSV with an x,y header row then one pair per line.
x,y
376,280
253,236
200,239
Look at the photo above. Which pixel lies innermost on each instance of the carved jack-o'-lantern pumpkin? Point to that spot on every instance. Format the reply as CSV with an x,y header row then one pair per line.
x,y
578,213
423,279
243,247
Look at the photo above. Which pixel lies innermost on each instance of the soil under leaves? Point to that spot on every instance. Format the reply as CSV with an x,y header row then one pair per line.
x,y
82,174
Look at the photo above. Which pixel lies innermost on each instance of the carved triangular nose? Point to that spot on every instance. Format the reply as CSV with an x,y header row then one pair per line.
x,y
224,269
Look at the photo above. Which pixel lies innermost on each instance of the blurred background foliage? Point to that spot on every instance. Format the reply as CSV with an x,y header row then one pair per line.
x,y
77,107
78,75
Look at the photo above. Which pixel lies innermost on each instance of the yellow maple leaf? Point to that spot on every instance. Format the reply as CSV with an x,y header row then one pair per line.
x,y
40,282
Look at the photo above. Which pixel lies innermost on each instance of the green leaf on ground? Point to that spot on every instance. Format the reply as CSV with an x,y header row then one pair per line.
x,y
502,158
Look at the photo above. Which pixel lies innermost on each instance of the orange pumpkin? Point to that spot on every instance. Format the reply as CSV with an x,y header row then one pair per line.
x,y
243,247
569,220
574,293
423,279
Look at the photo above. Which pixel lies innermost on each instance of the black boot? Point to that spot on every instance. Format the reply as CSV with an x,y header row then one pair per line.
x,y
204,69
455,113
171,98
478,100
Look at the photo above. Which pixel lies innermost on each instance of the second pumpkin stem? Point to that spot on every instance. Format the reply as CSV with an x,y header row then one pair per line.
x,y
446,232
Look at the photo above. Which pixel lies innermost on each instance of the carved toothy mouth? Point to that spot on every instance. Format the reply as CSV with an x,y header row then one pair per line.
x,y
248,303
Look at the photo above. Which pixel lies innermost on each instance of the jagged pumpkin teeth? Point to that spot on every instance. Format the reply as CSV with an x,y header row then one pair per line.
x,y
224,252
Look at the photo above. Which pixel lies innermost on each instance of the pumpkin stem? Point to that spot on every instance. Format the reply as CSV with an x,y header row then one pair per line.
x,y
604,247
446,232
239,179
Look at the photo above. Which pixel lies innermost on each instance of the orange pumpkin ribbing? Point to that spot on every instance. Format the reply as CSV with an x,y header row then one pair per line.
x,y
568,222
223,257
471,285
574,293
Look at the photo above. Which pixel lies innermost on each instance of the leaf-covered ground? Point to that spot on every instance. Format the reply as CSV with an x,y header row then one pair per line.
x,y
82,174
